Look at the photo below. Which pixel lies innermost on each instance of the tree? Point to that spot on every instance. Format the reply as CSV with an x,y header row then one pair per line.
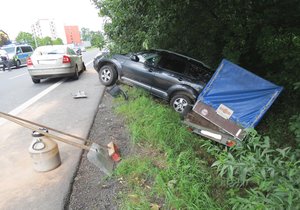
x,y
97,39
57,41
25,37
86,34
45,41
3,38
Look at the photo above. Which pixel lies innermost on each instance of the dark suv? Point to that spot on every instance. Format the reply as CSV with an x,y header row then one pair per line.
x,y
176,78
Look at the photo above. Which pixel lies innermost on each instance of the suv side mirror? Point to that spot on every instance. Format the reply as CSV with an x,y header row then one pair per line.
x,y
134,58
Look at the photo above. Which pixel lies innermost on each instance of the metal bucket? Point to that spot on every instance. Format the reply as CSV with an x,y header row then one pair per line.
x,y
44,153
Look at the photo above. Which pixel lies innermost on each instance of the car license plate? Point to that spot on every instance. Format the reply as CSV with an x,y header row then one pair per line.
x,y
47,62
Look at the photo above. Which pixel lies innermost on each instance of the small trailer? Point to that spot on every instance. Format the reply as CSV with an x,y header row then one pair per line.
x,y
233,100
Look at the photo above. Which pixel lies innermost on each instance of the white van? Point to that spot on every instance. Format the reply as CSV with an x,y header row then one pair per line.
x,y
18,53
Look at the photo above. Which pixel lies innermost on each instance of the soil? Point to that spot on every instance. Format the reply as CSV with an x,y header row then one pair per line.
x,y
92,189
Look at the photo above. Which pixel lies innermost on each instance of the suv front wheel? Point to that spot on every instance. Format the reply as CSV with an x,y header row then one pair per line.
x,y
108,75
181,103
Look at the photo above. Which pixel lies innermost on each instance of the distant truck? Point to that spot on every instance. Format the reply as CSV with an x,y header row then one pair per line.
x,y
233,100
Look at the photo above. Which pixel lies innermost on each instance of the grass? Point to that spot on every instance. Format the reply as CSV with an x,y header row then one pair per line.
x,y
169,173
178,170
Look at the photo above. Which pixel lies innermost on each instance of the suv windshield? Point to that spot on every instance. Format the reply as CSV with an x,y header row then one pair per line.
x,y
9,49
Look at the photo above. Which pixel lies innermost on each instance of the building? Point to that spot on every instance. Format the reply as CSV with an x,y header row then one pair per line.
x,y
44,27
72,35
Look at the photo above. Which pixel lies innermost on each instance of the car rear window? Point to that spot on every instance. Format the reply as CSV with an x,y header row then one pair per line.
x,y
49,50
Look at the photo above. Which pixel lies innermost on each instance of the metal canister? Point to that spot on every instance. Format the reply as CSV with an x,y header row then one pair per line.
x,y
44,152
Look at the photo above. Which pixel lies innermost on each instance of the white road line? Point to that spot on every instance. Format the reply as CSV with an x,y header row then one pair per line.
x,y
33,100
18,76
89,62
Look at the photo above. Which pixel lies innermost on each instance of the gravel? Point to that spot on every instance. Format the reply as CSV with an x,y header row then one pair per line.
x,y
91,188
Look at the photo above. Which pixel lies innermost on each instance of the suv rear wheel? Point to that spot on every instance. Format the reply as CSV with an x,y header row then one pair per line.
x,y
108,75
181,103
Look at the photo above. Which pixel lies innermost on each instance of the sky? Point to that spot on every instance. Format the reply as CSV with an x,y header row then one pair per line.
x,y
21,14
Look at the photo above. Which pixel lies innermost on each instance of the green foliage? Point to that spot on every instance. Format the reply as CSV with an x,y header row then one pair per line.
x,y
86,34
57,41
25,37
174,171
262,36
3,38
294,126
97,39
257,175
271,176
45,41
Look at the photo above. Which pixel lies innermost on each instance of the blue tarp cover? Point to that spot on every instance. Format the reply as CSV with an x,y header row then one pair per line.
x,y
246,94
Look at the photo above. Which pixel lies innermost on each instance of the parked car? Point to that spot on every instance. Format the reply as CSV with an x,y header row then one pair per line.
x,y
171,76
17,53
54,61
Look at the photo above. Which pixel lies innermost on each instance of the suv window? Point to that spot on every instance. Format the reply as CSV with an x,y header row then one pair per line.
x,y
150,58
26,49
19,50
9,49
197,70
172,62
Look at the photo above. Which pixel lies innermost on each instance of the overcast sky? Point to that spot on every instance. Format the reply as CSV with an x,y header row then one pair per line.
x,y
19,15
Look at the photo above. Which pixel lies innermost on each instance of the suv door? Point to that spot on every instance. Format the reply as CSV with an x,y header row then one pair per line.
x,y
141,72
26,52
169,73
20,55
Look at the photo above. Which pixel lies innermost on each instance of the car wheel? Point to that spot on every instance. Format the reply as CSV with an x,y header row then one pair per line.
x,y
107,75
181,103
18,64
35,81
76,74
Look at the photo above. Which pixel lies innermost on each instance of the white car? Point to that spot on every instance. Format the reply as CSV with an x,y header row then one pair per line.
x,y
54,61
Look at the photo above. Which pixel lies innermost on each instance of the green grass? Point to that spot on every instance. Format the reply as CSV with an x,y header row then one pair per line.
x,y
178,170
169,171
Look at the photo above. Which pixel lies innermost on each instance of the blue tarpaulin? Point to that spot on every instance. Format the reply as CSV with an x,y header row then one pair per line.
x,y
247,95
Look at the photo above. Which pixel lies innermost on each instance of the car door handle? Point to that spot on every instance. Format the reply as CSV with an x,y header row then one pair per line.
x,y
150,70
180,79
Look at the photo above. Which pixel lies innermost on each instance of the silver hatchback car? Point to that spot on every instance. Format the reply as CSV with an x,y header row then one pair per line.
x,y
54,61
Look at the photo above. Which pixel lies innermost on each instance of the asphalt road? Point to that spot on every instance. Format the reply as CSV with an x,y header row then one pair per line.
x,y
49,103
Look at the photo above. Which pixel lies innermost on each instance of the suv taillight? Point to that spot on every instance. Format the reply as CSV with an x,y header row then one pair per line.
x,y
66,59
29,62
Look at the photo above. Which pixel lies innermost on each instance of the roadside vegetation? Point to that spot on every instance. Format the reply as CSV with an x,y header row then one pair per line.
x,y
175,169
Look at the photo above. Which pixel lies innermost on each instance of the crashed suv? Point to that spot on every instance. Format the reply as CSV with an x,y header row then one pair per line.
x,y
173,77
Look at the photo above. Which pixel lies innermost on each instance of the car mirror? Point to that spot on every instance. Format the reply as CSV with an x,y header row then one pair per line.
x,y
134,58
78,52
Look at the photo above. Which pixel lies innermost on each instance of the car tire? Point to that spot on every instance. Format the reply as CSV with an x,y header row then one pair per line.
x,y
76,74
181,103
108,75
35,81
18,64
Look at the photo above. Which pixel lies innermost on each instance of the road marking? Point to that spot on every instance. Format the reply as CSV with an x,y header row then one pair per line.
x,y
18,76
34,99
89,62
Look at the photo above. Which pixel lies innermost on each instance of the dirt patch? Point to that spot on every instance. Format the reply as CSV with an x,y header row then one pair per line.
x,y
91,188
